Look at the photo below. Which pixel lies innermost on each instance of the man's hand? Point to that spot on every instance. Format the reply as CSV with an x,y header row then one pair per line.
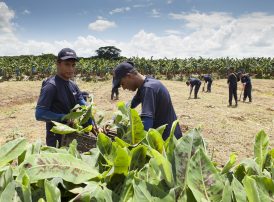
x,y
70,123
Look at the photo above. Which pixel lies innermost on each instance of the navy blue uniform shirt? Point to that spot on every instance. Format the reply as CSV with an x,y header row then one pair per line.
x,y
156,104
207,78
194,81
246,79
232,80
58,96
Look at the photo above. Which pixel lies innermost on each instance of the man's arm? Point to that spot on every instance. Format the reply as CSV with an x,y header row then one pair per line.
x,y
148,108
44,114
147,122
42,111
135,101
229,78
191,88
82,102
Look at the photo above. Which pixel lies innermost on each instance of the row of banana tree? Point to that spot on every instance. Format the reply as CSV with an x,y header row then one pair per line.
x,y
38,67
136,165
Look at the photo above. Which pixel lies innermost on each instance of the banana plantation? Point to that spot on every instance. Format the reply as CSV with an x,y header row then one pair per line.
x,y
39,67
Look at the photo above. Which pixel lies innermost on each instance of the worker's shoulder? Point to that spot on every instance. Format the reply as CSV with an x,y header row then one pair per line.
x,y
153,83
49,81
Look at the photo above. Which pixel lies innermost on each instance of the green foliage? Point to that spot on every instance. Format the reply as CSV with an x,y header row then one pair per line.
x,y
108,52
203,178
12,150
101,67
138,166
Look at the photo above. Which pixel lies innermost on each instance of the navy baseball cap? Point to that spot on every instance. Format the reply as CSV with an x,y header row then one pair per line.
x,y
120,71
67,53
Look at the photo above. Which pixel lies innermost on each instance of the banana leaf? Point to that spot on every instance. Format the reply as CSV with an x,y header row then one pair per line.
x,y
65,166
136,127
121,161
183,151
53,194
155,140
12,150
61,129
9,194
204,180
230,163
238,190
164,166
227,192
261,148
138,157
251,189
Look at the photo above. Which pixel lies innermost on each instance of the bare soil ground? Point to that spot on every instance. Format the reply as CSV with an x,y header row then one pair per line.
x,y
225,129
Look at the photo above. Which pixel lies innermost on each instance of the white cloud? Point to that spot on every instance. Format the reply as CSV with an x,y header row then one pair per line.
x,y
155,13
198,20
169,1
26,12
172,32
119,10
6,16
198,34
7,28
101,25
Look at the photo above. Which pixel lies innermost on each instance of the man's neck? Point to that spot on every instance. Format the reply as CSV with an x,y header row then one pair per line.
x,y
140,79
66,79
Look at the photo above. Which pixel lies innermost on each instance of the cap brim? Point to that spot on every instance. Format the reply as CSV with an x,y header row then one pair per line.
x,y
69,57
116,83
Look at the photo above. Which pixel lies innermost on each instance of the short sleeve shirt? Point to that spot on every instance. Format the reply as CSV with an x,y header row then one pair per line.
x,y
156,104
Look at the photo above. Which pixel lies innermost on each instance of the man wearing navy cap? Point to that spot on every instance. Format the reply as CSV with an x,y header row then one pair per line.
x,y
232,80
157,108
59,94
208,79
246,81
194,83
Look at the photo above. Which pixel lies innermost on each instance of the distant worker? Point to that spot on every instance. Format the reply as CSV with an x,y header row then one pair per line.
x,y
196,83
232,86
207,79
157,108
115,91
246,81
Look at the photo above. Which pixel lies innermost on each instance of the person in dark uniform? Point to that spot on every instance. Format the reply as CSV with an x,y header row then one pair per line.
x,y
207,79
247,86
232,80
196,83
157,108
115,91
59,95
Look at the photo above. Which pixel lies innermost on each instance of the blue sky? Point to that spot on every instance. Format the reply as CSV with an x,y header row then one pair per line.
x,y
144,28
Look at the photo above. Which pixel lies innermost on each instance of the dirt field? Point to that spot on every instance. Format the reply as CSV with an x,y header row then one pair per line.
x,y
225,129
